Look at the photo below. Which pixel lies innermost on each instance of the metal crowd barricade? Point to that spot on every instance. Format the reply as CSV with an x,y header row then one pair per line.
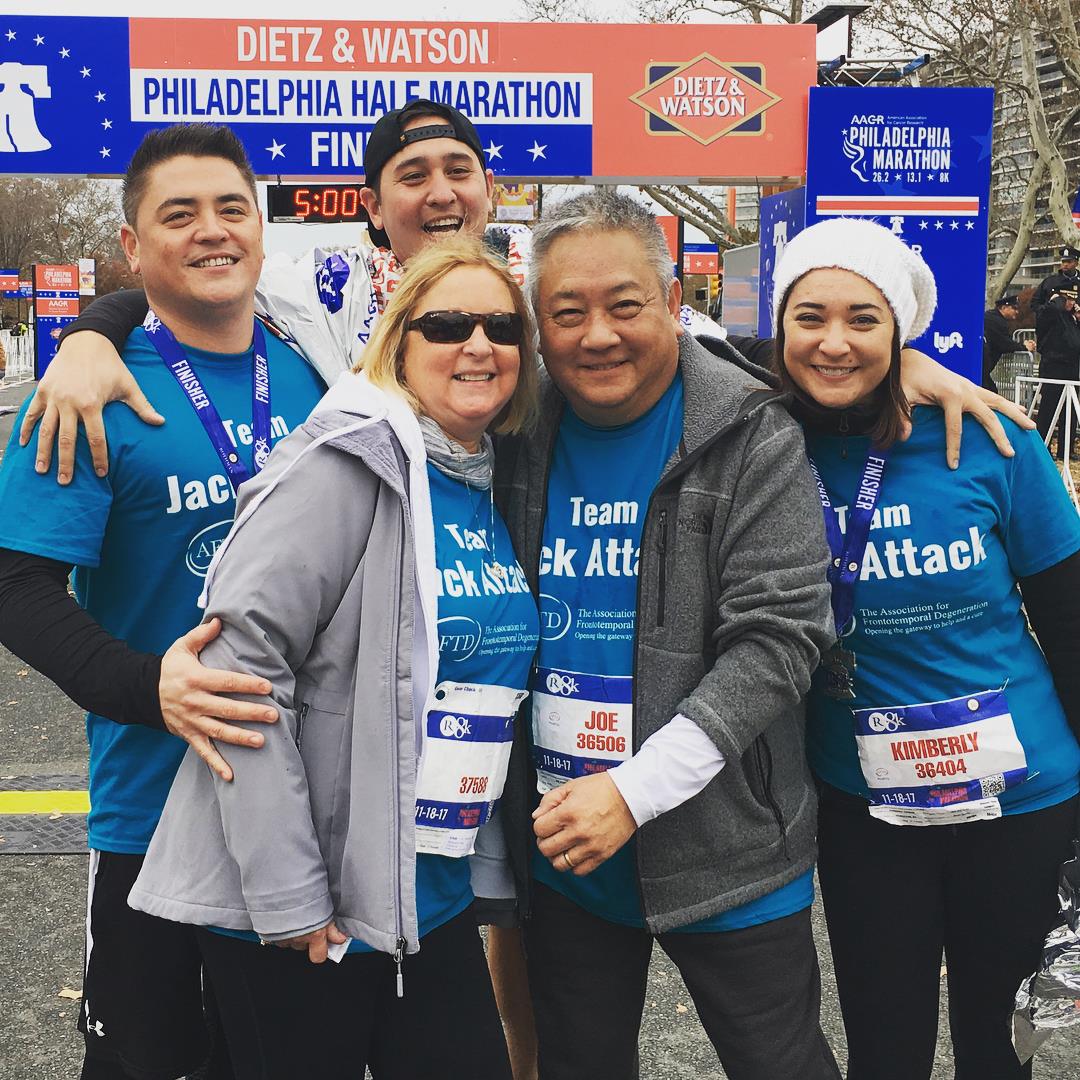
x,y
20,358
1027,392
1011,366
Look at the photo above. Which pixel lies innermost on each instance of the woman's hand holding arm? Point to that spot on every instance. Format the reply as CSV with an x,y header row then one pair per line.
x,y
316,943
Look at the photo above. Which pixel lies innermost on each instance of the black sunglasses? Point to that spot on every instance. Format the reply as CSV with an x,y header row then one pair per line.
x,y
453,327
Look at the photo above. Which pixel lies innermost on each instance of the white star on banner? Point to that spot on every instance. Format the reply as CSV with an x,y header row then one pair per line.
x,y
537,150
84,72
923,224
276,149
99,96
11,35
65,53
954,225
930,177
104,151
39,40
493,151
971,224
106,123
939,225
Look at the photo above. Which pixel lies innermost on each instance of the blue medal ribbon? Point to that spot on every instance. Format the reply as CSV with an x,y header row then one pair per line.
x,y
848,549
176,360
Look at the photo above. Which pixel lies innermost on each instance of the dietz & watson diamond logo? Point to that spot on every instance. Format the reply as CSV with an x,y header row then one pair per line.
x,y
705,98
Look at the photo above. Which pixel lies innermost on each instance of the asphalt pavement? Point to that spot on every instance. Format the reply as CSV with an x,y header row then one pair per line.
x,y
43,898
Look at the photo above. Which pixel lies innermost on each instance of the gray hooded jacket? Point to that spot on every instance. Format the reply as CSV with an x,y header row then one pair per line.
x,y
732,615
327,591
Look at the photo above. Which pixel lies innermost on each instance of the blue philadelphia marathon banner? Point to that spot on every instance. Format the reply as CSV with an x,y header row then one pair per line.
x,y
782,216
916,160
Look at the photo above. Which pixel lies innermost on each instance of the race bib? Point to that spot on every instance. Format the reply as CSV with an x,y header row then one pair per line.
x,y
470,731
940,763
582,724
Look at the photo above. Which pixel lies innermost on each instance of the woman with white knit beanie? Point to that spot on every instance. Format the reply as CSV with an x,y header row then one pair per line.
x,y
941,736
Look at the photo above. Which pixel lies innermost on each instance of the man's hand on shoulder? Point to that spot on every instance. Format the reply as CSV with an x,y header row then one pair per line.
x,y
582,824
926,382
84,376
192,708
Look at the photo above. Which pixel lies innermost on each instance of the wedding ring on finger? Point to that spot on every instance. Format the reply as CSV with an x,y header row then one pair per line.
x,y
566,859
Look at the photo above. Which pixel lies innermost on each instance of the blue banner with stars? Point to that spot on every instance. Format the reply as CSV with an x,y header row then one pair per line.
x,y
77,95
916,160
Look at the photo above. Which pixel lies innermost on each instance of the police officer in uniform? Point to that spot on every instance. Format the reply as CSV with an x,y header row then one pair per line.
x,y
997,336
1064,282
1058,329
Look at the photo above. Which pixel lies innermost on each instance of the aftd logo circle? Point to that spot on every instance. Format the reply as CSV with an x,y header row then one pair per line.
x,y
555,617
459,637
204,544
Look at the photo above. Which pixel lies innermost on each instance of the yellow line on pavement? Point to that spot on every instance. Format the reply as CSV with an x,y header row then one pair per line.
x,y
44,802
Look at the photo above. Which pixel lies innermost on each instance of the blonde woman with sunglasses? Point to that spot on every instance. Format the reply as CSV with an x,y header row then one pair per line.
x,y
370,580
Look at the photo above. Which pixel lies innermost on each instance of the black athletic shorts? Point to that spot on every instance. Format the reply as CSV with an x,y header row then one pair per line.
x,y
142,1007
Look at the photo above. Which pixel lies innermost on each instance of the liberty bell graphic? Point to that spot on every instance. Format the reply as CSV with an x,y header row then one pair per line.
x,y
18,126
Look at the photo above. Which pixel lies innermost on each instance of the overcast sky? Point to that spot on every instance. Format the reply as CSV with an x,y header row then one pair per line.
x,y
460,10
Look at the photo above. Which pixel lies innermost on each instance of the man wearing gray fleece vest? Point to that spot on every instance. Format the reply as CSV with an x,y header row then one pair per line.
x,y
666,517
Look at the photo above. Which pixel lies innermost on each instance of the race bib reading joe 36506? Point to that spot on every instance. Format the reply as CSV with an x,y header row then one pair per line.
x,y
582,724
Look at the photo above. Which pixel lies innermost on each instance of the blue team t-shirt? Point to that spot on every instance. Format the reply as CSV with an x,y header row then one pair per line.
x,y
598,493
141,540
937,611
488,627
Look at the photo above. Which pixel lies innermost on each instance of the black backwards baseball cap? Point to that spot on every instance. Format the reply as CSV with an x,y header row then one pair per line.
x,y
1069,253
389,136
1010,300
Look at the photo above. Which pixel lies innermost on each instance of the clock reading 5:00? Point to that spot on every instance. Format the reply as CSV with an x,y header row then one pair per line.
x,y
321,203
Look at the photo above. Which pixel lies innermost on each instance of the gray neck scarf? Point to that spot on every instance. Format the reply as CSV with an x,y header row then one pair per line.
x,y
453,460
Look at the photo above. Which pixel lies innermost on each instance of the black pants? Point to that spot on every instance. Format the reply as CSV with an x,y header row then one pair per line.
x,y
896,896
145,1009
757,991
1055,367
286,1018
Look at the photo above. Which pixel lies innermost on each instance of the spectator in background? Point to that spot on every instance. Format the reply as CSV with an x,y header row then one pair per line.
x,y
1059,348
997,336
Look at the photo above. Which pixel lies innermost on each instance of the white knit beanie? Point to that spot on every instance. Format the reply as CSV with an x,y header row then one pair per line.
x,y
872,252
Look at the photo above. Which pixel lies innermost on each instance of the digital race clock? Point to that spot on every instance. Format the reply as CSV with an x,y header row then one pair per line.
x,y
318,203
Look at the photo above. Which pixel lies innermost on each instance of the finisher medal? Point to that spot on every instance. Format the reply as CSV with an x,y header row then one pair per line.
x,y
839,667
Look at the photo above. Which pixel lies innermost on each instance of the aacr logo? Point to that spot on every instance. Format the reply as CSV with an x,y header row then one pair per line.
x,y
705,99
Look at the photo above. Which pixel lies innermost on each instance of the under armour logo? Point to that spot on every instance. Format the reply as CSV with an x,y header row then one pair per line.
x,y
96,1027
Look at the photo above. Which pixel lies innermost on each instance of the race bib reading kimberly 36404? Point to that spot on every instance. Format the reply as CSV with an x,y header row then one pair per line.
x,y
470,731
940,763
